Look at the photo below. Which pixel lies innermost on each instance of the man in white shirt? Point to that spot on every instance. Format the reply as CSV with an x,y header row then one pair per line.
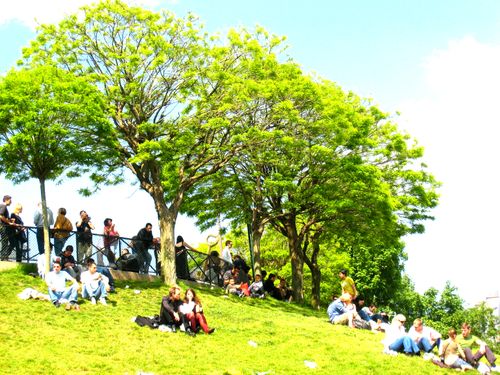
x,y
226,254
58,291
426,338
94,284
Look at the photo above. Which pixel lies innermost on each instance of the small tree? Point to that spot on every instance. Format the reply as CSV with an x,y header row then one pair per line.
x,y
48,118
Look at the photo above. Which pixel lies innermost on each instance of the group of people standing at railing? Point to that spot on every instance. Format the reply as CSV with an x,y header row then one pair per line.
x,y
13,235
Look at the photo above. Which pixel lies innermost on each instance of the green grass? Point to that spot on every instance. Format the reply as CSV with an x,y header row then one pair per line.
x,y
37,338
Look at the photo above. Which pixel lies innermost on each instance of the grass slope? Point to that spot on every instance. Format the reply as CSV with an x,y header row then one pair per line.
x,y
37,338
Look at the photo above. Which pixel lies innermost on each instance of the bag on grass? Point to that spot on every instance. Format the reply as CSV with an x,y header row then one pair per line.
x,y
143,321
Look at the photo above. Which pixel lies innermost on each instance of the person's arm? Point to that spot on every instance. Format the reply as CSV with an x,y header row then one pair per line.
x,y
91,226
188,246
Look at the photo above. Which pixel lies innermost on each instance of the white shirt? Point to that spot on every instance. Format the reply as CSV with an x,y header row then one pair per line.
x,y
58,280
226,255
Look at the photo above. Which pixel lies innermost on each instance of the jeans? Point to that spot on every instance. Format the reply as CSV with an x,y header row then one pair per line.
x,y
99,292
425,345
59,244
69,293
405,344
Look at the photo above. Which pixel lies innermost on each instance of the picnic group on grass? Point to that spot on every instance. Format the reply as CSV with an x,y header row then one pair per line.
x,y
462,351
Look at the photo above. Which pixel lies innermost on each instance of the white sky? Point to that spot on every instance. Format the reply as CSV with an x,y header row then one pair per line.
x,y
452,111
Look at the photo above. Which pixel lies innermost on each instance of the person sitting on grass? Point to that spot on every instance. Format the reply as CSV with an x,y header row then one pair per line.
x,y
270,288
339,313
58,291
468,342
94,285
170,314
103,271
426,338
193,312
233,288
396,340
284,291
68,263
256,289
452,353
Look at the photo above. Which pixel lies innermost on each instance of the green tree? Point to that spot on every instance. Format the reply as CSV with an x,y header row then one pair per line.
x,y
175,101
50,121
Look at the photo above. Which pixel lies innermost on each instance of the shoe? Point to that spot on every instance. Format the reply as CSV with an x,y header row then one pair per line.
x,y
190,333
67,307
102,300
495,368
174,329
93,301
57,304
211,330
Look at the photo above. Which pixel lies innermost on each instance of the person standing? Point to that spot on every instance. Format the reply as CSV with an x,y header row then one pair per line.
x,y
144,240
84,229
347,284
226,255
5,223
38,221
62,229
110,240
181,259
17,234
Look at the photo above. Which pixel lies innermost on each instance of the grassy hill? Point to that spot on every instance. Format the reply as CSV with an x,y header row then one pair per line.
x,y
37,338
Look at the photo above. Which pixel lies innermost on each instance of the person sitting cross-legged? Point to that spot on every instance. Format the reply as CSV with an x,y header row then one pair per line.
x,y
95,285
425,337
469,342
58,291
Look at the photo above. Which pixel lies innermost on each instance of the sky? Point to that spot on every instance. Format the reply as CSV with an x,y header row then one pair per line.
x,y
436,63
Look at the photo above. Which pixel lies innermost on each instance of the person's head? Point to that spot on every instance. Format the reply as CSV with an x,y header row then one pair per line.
x,y
282,282
89,261
92,268
175,293
149,227
56,266
346,298
68,250
190,295
108,222
373,308
18,208
452,333
7,200
236,270
214,253
399,319
466,329
264,274
361,301
179,239
229,243
272,277
418,325
258,277
231,281
62,211
84,215
343,274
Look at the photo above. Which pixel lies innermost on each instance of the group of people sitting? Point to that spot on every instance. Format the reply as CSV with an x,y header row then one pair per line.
x,y
96,282
455,352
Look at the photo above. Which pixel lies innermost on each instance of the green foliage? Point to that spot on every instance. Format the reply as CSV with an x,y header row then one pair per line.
x,y
49,123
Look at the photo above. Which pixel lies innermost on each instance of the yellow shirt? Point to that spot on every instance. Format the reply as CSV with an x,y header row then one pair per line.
x,y
348,286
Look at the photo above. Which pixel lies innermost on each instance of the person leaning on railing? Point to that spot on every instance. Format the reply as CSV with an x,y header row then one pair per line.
x,y
62,229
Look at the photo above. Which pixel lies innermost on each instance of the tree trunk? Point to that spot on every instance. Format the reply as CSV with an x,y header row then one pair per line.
x,y
257,231
46,237
297,261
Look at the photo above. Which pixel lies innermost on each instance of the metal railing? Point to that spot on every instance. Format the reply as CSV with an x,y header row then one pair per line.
x,y
124,253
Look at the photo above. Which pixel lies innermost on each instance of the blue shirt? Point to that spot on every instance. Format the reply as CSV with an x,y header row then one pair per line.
x,y
335,309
